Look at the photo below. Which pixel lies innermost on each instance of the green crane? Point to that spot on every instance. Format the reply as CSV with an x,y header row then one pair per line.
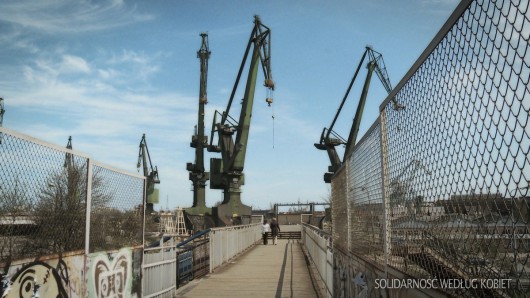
x,y
2,111
199,141
330,139
150,173
227,172
69,158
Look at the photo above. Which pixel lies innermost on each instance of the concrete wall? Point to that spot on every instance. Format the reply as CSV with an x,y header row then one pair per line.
x,y
298,218
289,219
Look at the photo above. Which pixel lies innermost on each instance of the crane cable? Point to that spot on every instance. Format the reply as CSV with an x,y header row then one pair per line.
x,y
269,95
272,127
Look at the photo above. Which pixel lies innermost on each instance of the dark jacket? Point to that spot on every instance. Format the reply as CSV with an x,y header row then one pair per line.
x,y
275,228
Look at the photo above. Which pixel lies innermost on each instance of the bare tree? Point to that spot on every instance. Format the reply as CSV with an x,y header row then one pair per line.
x,y
14,207
60,212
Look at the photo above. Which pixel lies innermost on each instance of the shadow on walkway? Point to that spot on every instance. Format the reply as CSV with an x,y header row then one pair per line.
x,y
264,271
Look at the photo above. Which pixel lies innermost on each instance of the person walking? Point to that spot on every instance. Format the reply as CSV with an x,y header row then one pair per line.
x,y
275,228
265,229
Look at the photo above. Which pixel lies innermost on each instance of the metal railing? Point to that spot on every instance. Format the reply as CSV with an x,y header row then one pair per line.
x,y
441,187
193,258
317,244
159,271
228,242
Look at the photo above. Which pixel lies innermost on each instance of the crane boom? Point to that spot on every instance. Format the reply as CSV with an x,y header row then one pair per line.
x,y
199,141
150,173
329,139
227,172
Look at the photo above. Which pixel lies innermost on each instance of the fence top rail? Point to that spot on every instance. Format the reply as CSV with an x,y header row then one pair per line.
x,y
66,150
147,249
114,169
460,9
194,237
41,142
318,231
234,227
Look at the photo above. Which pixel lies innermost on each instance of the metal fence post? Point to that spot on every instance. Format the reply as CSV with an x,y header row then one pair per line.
x,y
387,233
88,205
212,252
87,218
349,199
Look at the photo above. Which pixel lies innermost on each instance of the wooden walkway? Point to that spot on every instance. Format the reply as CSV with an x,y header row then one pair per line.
x,y
263,271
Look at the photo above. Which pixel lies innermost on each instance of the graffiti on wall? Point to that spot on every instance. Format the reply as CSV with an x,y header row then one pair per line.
x,y
50,278
37,279
116,274
110,274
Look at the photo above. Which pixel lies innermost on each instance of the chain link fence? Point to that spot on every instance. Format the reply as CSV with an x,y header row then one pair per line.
x,y
44,193
340,210
116,215
366,197
440,189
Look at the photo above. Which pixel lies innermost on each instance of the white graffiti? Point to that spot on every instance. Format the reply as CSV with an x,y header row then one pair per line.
x,y
112,278
35,280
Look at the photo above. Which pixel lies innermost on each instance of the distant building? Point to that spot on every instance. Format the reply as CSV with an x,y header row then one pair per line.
x,y
487,206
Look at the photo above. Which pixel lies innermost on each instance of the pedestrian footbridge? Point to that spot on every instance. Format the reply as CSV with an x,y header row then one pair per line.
x,y
233,262
260,271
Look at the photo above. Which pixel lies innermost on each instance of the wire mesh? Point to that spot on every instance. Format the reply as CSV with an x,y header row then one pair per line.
x,y
340,209
456,160
42,199
366,197
116,215
458,154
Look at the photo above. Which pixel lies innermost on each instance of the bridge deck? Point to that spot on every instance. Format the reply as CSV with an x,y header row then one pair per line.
x,y
264,271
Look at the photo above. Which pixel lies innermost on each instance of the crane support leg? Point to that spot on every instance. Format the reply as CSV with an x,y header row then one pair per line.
x,y
232,211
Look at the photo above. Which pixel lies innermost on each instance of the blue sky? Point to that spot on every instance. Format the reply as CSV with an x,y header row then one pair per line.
x,y
105,72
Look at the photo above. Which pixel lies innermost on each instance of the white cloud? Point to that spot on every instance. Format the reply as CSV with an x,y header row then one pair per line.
x,y
129,66
128,56
108,74
74,64
17,39
65,16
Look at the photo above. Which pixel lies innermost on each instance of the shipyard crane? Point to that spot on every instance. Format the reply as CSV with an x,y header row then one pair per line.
x,y
2,111
150,173
69,158
199,141
227,171
329,139
401,185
